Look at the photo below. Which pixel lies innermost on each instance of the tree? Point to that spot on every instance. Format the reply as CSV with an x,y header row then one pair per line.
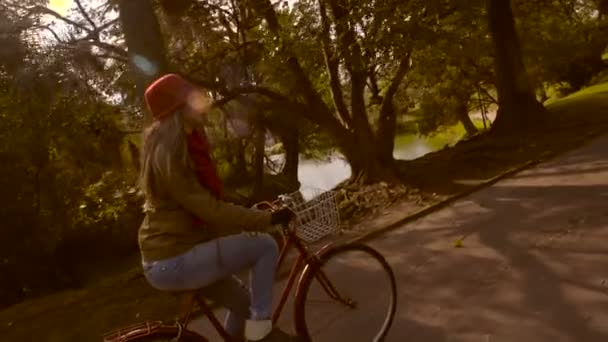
x,y
564,40
323,97
348,55
59,135
518,107
216,45
144,41
452,69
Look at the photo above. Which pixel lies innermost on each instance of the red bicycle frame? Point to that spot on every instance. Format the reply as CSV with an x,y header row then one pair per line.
x,y
188,300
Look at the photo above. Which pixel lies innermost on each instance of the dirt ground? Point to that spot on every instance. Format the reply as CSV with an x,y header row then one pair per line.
x,y
533,266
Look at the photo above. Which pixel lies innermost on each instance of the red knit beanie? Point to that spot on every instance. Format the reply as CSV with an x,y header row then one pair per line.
x,y
167,94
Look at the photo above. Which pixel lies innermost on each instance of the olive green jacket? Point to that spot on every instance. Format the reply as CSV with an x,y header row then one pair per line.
x,y
168,231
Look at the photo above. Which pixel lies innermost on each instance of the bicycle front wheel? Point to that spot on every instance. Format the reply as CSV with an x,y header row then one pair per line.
x,y
350,294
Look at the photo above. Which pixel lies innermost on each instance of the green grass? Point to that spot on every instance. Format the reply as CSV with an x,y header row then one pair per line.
x,y
404,140
590,99
446,136
436,141
594,89
590,90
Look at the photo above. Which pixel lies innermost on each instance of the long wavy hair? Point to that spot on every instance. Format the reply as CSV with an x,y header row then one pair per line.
x,y
164,152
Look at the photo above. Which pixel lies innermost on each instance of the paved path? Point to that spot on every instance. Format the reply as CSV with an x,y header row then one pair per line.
x,y
534,266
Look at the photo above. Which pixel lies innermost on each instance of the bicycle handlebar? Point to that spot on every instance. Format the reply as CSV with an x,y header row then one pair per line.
x,y
272,206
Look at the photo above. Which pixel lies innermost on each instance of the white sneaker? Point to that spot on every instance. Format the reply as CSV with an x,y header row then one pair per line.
x,y
257,330
262,331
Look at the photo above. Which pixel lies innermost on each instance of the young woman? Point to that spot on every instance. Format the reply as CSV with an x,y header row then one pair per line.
x,y
190,238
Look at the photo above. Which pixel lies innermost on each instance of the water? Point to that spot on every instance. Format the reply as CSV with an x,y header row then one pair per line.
x,y
326,174
322,175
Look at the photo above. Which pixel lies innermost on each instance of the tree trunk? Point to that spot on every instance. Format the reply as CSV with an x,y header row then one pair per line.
x,y
332,63
518,107
465,119
292,153
366,166
358,144
144,42
542,93
602,9
387,125
258,162
240,162
385,137
135,156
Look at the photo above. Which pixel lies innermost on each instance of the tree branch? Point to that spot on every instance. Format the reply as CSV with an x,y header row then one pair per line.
x,y
121,59
46,27
111,48
487,93
402,70
45,10
348,39
236,92
387,122
332,64
319,112
106,25
354,64
373,85
85,14
229,95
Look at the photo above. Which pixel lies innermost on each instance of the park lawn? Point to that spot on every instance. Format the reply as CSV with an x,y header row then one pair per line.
x,y
570,122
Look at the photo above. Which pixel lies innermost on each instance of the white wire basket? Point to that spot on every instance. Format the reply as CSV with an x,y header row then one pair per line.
x,y
317,217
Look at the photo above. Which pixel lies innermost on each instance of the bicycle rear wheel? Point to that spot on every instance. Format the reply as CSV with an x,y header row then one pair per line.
x,y
350,295
153,332
160,337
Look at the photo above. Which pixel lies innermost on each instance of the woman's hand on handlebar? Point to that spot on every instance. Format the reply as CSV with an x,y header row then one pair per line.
x,y
263,206
282,216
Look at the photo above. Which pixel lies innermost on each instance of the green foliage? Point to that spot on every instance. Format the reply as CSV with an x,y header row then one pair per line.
x,y
562,41
56,137
106,202
60,142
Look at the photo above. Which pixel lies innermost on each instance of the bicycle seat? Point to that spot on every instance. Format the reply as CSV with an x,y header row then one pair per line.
x,y
187,301
181,293
187,298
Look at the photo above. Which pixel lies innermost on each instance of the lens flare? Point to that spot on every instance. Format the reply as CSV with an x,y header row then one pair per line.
x,y
199,101
60,6
145,65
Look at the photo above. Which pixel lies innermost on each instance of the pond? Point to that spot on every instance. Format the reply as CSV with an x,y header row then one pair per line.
x,y
326,174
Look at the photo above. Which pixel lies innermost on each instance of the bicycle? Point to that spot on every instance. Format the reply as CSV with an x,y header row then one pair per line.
x,y
314,219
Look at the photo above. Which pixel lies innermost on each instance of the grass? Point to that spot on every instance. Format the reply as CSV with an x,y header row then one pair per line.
x,y
591,90
446,136
571,121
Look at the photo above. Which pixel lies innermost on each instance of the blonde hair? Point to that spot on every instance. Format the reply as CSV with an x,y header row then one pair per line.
x,y
164,152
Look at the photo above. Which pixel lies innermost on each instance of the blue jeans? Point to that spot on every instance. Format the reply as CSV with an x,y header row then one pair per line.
x,y
212,265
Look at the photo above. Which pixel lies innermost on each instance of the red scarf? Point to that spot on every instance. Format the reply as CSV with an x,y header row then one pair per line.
x,y
204,167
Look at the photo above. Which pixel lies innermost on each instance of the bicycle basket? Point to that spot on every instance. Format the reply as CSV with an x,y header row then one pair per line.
x,y
315,218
